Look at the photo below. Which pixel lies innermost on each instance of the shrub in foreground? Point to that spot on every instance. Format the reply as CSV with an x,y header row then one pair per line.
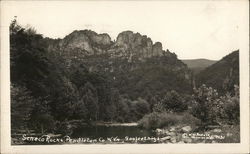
x,y
164,119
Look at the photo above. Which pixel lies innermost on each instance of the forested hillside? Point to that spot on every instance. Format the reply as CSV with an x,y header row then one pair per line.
x,y
197,65
132,64
222,75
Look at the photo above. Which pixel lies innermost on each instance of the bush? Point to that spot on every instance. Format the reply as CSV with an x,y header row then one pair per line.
x,y
43,122
139,108
190,120
64,128
212,109
159,107
174,102
232,111
22,104
164,119
150,120
123,110
229,109
205,101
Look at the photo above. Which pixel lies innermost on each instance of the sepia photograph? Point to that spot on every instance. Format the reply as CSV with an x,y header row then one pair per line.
x,y
125,73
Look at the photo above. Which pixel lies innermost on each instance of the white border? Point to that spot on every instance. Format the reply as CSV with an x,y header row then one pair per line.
x,y
242,147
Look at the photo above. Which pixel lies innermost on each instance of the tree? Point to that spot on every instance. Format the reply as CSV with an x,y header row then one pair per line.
x,y
205,104
22,104
159,107
80,76
141,107
123,110
29,71
148,96
28,58
229,107
63,97
89,97
173,102
112,107
79,110
41,118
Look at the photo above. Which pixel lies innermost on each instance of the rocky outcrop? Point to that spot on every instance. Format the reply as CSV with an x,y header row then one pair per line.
x,y
77,40
157,49
131,62
175,134
186,129
128,45
136,45
83,43
187,134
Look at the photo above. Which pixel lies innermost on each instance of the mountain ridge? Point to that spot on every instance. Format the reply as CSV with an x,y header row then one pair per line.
x,y
132,60
94,43
197,65
223,74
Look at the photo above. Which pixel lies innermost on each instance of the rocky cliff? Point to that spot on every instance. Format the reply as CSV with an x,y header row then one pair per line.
x,y
127,45
132,62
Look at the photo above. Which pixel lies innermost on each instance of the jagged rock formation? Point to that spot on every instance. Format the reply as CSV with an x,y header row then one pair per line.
x,y
82,43
132,62
135,45
128,45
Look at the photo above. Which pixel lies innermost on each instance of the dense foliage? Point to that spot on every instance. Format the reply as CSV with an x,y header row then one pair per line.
x,y
206,108
214,109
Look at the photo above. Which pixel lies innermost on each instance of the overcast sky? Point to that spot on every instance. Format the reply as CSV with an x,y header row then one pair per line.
x,y
191,29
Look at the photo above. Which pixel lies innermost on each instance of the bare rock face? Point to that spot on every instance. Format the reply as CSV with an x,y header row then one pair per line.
x,y
125,39
94,38
76,40
85,41
137,46
157,49
128,45
101,39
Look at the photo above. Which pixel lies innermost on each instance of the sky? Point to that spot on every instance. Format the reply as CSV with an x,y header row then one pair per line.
x,y
191,29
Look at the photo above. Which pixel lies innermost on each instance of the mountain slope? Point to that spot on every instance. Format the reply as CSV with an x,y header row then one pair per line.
x,y
197,65
222,75
133,64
